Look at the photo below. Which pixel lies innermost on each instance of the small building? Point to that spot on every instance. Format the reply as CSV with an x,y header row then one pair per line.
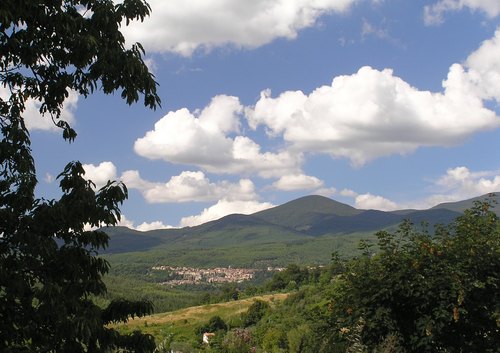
x,y
207,336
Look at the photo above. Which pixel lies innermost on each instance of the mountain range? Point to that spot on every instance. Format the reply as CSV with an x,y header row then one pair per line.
x,y
299,229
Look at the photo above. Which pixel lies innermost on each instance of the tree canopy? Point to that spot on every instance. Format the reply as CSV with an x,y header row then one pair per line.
x,y
427,292
49,268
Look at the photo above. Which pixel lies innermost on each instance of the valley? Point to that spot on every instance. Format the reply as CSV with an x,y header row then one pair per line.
x,y
222,268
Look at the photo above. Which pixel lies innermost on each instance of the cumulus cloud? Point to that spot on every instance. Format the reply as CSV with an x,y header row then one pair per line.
x,y
456,184
100,174
461,183
433,14
374,113
182,26
369,201
348,193
363,116
327,192
297,182
189,186
125,222
223,208
143,227
36,121
205,139
374,202
484,68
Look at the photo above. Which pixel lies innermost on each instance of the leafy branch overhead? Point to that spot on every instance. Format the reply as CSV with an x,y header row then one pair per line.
x,y
48,48
49,268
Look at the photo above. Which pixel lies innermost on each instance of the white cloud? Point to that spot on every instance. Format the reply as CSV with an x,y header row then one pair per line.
x,y
223,208
151,64
433,14
125,222
36,121
457,184
374,202
348,193
143,227
203,139
100,174
484,68
297,182
461,183
362,117
189,186
373,113
182,26
369,201
327,192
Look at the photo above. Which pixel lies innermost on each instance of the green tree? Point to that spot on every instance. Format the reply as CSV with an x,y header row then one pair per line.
x,y
255,312
214,324
274,340
426,293
49,268
293,276
300,340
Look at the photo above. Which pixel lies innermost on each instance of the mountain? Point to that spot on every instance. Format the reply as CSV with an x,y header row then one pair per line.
x,y
303,213
303,228
461,206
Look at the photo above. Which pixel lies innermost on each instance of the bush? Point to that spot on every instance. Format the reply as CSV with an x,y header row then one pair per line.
x,y
428,293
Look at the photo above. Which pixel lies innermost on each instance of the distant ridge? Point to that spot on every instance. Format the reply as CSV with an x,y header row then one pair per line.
x,y
301,221
461,206
301,214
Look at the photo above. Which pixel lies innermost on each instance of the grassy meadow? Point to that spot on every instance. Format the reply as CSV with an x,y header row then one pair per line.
x,y
181,325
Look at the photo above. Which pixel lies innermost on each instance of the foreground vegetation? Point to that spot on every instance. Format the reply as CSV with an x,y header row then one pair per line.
x,y
49,268
182,327
419,292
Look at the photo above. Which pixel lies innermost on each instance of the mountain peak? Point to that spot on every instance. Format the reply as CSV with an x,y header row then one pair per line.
x,y
303,212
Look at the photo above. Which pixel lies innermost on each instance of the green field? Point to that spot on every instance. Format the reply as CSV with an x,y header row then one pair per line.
x,y
181,325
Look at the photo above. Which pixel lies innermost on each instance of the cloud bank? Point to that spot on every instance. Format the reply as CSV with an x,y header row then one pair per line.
x,y
297,182
461,183
143,227
363,116
373,113
183,26
209,140
189,186
223,208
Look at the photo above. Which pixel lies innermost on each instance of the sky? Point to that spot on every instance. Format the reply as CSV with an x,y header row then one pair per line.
x,y
380,104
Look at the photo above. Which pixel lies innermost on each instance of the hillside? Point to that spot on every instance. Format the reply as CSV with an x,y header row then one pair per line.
x,y
305,230
461,206
181,324
305,212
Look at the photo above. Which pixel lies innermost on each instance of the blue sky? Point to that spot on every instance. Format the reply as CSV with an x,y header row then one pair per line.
x,y
382,104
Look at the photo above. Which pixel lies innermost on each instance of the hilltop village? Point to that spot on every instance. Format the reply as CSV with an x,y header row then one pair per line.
x,y
191,275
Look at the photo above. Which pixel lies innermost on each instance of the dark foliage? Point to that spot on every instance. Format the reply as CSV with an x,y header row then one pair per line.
x,y
49,268
427,293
